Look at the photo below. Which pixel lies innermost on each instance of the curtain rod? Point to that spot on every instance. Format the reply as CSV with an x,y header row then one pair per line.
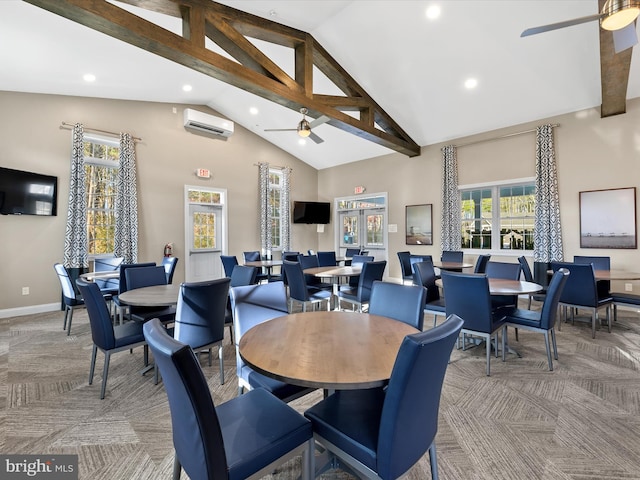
x,y
71,125
533,130
271,166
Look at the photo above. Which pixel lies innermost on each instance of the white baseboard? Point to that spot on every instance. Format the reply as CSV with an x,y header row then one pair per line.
x,y
31,309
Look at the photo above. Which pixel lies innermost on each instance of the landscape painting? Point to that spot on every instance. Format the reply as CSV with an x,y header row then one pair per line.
x,y
608,218
419,224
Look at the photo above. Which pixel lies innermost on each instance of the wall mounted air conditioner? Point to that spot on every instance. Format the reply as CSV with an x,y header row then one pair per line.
x,y
203,122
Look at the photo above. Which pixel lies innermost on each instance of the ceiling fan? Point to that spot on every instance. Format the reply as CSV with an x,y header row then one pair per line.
x,y
617,16
304,127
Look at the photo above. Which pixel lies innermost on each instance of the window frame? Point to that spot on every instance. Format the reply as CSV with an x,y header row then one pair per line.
x,y
276,218
495,216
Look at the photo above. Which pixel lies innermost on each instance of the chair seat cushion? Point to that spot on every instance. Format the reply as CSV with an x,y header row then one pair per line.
x,y
128,333
348,293
350,419
436,306
521,316
318,294
628,298
279,389
142,314
257,429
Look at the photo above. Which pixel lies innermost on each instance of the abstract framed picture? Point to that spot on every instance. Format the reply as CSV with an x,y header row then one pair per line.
x,y
419,224
608,218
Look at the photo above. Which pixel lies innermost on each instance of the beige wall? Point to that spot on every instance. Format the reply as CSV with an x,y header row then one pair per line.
x,y
167,156
592,153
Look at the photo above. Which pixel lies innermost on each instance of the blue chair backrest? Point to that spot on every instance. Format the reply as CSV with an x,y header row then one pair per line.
x,y
413,259
405,263
99,317
243,275
350,252
291,256
503,270
107,264
580,288
357,259
197,437
295,278
404,303
65,282
308,261
452,256
252,256
228,262
425,276
554,291
371,271
254,304
481,264
145,277
526,270
169,264
200,312
599,263
327,259
409,421
467,296
123,273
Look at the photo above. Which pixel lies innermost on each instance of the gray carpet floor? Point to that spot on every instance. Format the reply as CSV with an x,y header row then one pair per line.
x,y
581,421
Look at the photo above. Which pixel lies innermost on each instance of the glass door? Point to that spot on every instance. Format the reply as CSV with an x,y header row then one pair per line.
x,y
362,225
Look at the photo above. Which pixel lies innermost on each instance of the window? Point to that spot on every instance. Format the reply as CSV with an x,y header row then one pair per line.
x,y
498,217
101,180
204,212
275,202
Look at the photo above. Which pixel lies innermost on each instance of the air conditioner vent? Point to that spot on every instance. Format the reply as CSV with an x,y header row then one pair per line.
x,y
204,122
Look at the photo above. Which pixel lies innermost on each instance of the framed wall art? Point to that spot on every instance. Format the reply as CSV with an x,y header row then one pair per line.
x,y
608,218
419,224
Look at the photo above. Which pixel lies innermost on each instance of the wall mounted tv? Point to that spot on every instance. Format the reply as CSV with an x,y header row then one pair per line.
x,y
311,212
27,193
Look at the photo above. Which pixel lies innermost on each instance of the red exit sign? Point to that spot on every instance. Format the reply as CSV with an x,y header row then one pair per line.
x,y
358,190
203,173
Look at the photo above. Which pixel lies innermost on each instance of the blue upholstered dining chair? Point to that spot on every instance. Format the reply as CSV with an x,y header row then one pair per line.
x,y
528,277
357,261
381,433
312,261
404,303
148,277
106,337
481,264
359,296
240,276
327,259
254,256
72,300
200,314
210,442
452,256
405,265
107,264
543,321
599,263
581,292
228,262
349,253
169,264
467,296
251,306
505,271
424,275
300,291
121,309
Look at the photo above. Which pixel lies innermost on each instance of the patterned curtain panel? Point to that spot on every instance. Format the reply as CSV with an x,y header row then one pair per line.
x,y
451,235
285,210
265,211
547,230
126,234
75,238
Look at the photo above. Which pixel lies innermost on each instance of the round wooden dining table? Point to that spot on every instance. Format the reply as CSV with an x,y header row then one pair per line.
x,y
452,266
333,350
155,296
501,286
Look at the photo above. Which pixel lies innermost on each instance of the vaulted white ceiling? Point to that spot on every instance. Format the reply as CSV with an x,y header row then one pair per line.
x,y
413,67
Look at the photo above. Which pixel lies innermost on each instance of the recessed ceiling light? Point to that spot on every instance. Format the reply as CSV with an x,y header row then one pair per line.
x,y
253,111
471,83
187,88
89,77
433,12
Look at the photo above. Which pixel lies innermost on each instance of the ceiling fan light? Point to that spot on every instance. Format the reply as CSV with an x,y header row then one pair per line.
x,y
619,13
304,129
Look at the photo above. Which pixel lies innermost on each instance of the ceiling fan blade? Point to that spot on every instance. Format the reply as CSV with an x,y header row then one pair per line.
x,y
319,121
625,38
315,138
555,26
280,129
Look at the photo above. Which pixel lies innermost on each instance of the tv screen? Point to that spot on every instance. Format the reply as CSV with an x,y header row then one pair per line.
x,y
311,212
27,193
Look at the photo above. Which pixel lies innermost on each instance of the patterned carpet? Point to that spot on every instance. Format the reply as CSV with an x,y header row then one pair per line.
x,y
581,421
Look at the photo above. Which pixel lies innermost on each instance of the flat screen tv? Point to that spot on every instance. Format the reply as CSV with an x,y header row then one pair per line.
x,y
311,212
27,193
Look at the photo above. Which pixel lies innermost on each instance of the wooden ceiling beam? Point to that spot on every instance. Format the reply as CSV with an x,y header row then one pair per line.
x,y
254,71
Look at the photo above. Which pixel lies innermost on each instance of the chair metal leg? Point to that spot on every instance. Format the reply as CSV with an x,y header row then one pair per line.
x,y
94,354
594,318
210,356
609,317
555,346
105,373
504,342
308,461
146,355
177,468
548,347
433,461
66,315
488,356
221,364
69,322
